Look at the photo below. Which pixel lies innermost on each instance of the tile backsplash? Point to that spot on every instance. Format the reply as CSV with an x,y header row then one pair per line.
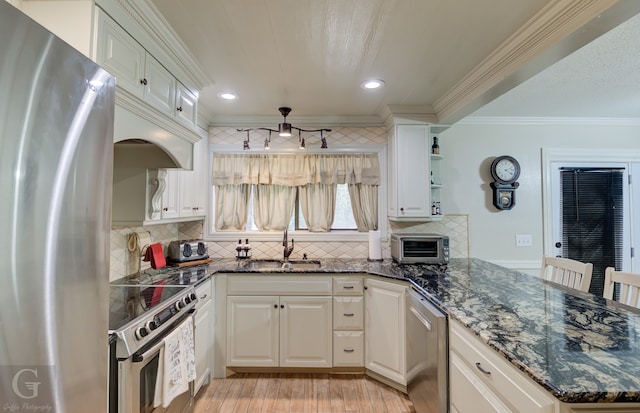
x,y
124,262
455,226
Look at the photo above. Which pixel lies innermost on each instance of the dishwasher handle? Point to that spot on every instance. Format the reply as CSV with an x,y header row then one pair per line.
x,y
420,317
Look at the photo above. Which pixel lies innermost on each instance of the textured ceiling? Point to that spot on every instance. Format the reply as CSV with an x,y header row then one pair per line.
x,y
312,55
600,80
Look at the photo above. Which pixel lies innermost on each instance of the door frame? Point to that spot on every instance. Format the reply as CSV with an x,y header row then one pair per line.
x,y
594,157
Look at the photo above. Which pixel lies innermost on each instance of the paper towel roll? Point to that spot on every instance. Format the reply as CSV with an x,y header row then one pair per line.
x,y
375,249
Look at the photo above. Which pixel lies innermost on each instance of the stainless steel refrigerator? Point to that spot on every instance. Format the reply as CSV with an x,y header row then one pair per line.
x,y
56,160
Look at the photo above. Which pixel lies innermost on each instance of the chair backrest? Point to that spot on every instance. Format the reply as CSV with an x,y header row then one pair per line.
x,y
629,286
568,272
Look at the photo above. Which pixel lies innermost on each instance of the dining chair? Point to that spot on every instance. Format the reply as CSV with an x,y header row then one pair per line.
x,y
629,286
568,272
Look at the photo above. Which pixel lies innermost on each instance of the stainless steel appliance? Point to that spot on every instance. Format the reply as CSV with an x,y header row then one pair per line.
x,y
420,248
427,355
188,250
56,160
141,317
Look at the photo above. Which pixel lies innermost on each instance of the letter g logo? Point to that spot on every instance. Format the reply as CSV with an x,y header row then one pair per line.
x,y
30,385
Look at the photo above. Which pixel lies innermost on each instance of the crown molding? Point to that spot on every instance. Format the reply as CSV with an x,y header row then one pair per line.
x,y
142,20
299,121
471,120
557,30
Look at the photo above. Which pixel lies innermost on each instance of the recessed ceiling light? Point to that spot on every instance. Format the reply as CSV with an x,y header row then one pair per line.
x,y
227,96
372,84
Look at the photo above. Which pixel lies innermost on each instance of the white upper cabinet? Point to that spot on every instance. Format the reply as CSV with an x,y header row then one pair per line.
x,y
120,55
186,107
409,173
142,75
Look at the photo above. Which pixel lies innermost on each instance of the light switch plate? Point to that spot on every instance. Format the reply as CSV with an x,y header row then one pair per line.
x,y
524,240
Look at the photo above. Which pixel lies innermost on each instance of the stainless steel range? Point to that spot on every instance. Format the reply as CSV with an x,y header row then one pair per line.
x,y
141,317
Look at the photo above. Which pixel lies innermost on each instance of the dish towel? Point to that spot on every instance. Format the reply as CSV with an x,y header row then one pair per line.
x,y
156,256
177,365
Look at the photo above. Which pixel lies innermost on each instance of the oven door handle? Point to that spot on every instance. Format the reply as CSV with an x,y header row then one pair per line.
x,y
139,358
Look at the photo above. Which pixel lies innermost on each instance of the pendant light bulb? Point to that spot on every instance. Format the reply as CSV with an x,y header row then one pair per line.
x,y
284,129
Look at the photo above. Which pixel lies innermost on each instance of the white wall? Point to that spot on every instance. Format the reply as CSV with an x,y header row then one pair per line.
x,y
469,149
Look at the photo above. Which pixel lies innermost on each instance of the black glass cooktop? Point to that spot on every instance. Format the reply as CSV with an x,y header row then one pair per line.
x,y
129,302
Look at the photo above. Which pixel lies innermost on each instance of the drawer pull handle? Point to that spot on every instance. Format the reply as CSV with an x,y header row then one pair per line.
x,y
203,297
348,287
349,350
348,314
479,367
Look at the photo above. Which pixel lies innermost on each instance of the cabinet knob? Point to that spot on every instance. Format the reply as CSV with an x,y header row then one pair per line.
x,y
281,305
179,108
165,209
275,306
144,82
401,209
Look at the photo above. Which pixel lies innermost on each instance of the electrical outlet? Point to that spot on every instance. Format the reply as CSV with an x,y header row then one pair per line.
x,y
524,240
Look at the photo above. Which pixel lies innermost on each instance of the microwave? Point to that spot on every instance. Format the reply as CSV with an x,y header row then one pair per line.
x,y
420,248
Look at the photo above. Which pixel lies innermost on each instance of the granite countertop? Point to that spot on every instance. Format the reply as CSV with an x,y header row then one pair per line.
x,y
581,348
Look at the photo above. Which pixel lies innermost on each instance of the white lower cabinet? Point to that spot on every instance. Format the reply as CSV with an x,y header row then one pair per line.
x,y
480,381
253,331
385,330
272,331
203,341
291,329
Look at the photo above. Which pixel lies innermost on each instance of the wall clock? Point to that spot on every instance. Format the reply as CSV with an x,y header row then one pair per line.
x,y
505,171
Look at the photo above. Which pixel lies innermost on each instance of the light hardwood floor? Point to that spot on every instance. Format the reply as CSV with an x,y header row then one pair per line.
x,y
292,393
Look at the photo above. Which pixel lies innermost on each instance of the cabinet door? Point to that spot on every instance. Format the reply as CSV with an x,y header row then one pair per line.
x,y
252,331
202,342
306,338
171,195
410,184
160,88
193,184
385,329
186,108
120,55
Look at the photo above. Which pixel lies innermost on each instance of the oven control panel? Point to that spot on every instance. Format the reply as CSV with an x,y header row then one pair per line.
x,y
152,325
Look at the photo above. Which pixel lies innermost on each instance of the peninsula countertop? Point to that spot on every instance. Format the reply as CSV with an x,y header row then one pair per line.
x,y
580,347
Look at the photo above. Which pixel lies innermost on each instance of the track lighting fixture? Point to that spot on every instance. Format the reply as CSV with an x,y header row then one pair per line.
x,y
285,129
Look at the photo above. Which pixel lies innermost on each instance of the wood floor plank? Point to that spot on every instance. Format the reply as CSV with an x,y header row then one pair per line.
x,y
322,388
336,395
297,393
231,398
258,396
271,397
300,393
246,393
283,404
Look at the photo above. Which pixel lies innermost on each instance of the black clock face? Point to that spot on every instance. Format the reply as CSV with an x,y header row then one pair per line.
x,y
505,169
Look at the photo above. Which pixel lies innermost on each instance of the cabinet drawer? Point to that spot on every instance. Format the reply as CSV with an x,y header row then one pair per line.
x,y
348,348
279,285
348,313
348,285
512,387
203,292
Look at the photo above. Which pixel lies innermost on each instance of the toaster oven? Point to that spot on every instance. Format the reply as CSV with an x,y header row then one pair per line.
x,y
420,248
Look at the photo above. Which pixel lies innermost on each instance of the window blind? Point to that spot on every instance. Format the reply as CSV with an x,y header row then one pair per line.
x,y
591,219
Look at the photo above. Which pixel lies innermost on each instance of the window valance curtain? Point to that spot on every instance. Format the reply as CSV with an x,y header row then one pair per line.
x,y
274,178
295,169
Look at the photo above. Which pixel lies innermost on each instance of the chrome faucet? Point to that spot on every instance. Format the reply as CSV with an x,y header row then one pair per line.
x,y
285,243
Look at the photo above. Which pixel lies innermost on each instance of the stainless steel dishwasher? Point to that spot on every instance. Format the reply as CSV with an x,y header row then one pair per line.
x,y
427,355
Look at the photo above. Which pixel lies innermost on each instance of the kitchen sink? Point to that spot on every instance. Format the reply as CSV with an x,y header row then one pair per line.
x,y
283,265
